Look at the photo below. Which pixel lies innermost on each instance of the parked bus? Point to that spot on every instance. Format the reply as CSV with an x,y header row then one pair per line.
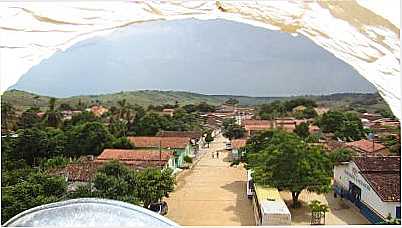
x,y
269,208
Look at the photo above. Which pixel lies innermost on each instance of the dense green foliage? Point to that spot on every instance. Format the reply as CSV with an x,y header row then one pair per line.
x,y
33,190
302,130
209,138
284,161
283,108
188,159
232,130
341,155
346,126
392,142
116,181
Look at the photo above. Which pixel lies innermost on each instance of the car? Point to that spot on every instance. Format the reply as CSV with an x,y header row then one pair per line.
x,y
159,207
228,146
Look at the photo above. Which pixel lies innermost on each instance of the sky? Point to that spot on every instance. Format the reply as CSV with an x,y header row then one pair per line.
x,y
209,57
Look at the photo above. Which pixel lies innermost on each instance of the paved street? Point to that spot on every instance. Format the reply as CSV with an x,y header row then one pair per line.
x,y
212,193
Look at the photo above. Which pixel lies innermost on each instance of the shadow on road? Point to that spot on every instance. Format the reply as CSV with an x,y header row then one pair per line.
x,y
243,208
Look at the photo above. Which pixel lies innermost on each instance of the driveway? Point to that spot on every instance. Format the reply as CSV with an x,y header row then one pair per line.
x,y
212,193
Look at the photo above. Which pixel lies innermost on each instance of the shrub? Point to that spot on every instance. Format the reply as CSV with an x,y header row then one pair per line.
x,y
188,159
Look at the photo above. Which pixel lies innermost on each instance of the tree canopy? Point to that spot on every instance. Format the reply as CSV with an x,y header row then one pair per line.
x,y
346,126
116,181
232,130
286,162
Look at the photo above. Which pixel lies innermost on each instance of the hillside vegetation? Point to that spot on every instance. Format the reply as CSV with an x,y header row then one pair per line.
x,y
344,101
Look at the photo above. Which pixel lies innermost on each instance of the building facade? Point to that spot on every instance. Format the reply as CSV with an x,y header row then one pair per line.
x,y
372,184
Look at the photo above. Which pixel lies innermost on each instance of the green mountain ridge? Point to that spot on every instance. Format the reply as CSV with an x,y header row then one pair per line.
x,y
23,100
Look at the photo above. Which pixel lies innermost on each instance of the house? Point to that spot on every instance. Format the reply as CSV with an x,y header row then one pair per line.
x,y
196,137
255,126
287,124
97,110
367,147
180,146
313,129
138,158
40,114
372,184
68,114
77,174
371,116
168,111
237,145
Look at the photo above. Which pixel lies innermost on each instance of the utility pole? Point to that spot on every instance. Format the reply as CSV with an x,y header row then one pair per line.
x,y
160,150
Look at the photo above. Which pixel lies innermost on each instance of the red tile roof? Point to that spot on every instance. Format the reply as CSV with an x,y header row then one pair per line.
x,y
156,141
365,145
378,163
84,171
256,122
238,143
190,134
256,127
134,155
383,174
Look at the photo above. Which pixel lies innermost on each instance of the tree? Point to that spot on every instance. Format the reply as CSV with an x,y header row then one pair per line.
x,y
83,117
31,144
36,189
118,128
52,116
331,121
302,130
318,211
341,155
209,138
29,119
205,107
7,115
88,139
232,101
346,126
57,141
65,106
122,143
288,163
231,130
116,181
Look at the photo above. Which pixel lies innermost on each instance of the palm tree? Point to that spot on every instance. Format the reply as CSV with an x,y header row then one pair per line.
x,y
122,108
53,117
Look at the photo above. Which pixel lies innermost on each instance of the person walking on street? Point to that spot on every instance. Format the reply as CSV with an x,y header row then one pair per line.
x,y
212,154
217,154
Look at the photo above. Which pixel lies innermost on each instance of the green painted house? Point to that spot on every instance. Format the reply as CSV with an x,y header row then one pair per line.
x,y
180,146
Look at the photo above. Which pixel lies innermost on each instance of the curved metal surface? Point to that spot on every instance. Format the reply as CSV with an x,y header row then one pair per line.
x,y
89,212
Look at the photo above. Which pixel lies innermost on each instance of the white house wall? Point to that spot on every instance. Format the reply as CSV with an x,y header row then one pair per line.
x,y
34,31
368,195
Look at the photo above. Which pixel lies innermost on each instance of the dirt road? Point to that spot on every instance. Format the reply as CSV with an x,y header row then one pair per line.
x,y
211,193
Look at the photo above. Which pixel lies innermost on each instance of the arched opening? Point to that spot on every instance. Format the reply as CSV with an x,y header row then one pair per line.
x,y
233,64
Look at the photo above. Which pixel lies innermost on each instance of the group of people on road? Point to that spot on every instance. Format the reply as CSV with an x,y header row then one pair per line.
x,y
217,154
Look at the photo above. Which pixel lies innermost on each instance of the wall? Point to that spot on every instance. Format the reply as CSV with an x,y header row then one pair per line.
x,y
368,195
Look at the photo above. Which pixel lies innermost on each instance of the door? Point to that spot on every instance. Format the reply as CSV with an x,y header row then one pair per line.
x,y
354,193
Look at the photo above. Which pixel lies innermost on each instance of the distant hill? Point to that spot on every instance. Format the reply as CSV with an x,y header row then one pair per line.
x,y
23,100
